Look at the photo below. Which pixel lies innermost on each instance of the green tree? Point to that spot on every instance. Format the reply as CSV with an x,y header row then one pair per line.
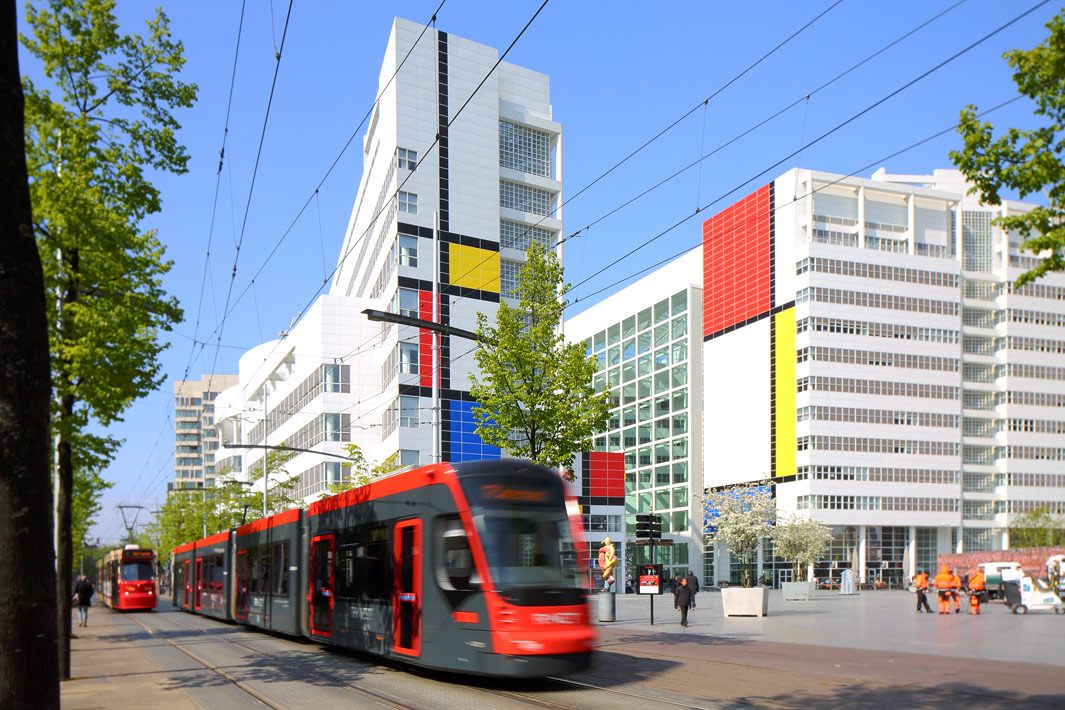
x,y
28,670
1037,528
535,393
803,541
1028,161
227,504
93,134
360,471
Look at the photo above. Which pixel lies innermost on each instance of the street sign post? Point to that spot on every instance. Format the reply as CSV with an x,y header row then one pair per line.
x,y
649,532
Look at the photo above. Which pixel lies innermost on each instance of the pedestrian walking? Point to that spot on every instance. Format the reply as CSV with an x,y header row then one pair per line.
x,y
693,585
674,584
920,583
682,600
944,583
977,585
83,591
955,591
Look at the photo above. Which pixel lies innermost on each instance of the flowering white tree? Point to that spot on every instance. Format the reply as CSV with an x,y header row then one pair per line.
x,y
740,517
803,541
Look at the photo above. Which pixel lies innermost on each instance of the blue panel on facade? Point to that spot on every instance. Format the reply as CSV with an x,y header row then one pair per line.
x,y
466,445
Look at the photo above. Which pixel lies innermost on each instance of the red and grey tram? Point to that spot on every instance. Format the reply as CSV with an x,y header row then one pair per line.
x,y
126,578
472,567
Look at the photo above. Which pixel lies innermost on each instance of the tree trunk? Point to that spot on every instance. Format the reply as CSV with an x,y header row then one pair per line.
x,y
64,473
28,668
64,549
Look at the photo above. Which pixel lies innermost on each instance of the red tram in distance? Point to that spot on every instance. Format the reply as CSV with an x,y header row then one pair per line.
x,y
471,567
126,579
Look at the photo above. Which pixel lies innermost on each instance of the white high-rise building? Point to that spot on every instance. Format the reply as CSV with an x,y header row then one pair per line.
x,y
865,351
447,206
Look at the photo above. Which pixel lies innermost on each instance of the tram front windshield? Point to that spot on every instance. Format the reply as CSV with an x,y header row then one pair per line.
x,y
528,547
136,571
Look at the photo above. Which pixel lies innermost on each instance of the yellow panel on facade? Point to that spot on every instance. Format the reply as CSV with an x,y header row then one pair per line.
x,y
471,267
784,392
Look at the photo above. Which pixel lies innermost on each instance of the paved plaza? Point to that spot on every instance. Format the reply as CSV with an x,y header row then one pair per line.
x,y
870,620
868,650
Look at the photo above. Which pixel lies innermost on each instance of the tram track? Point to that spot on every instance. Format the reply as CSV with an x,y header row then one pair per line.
x,y
387,700
377,697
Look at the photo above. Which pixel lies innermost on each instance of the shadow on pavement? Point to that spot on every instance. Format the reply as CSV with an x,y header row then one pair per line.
x,y
866,696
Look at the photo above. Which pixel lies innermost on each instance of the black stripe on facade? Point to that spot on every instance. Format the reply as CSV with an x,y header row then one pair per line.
x,y
772,336
420,284
413,230
752,319
772,243
464,240
427,392
467,292
443,224
772,399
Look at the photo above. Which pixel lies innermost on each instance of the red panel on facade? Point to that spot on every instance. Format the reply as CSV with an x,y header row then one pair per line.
x,y
736,261
606,473
425,340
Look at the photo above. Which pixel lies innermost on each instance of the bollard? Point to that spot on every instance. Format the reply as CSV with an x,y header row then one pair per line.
x,y
606,606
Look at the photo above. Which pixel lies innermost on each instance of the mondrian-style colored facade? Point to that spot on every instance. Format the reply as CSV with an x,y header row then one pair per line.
x,y
445,212
473,192
865,351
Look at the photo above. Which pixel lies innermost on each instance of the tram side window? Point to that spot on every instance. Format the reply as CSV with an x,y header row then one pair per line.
x,y
376,564
260,570
455,570
364,564
280,564
345,570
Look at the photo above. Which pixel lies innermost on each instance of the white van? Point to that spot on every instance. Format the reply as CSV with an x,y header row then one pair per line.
x,y
995,572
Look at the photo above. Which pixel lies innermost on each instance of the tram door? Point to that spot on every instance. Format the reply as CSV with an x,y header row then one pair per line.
x,y
187,583
197,585
322,579
243,578
407,588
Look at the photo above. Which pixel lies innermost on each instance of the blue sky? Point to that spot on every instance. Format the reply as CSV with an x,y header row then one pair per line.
x,y
620,73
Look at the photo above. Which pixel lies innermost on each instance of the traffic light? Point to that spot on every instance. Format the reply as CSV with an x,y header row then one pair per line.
x,y
649,526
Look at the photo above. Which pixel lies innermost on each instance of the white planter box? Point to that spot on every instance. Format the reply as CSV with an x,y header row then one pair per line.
x,y
797,591
738,601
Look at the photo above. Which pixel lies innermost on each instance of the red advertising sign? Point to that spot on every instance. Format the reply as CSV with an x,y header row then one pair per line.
x,y
650,579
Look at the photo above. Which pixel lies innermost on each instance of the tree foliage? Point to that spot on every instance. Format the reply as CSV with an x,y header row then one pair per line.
x,y
739,517
96,128
803,541
361,471
227,504
1037,528
1029,161
535,393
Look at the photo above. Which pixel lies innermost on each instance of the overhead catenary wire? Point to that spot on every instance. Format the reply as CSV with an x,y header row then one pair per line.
x,y
821,137
853,173
328,172
423,154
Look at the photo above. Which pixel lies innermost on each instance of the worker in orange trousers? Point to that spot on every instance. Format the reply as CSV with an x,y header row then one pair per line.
x,y
955,591
977,585
944,583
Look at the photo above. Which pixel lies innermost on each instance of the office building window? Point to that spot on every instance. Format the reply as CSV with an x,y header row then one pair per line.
x,y
408,202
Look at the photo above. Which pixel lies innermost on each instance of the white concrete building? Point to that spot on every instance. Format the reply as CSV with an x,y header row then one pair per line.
x,y
446,208
646,339
866,352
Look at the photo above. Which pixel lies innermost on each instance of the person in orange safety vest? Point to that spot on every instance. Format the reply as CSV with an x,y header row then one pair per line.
x,y
977,585
955,591
944,583
920,583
